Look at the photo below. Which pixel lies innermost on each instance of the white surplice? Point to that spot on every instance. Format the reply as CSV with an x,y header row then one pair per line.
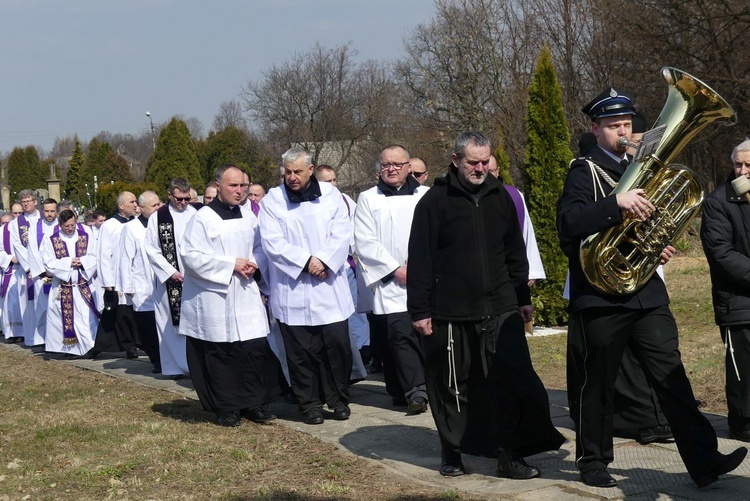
x,y
22,270
381,233
108,255
171,344
85,321
291,234
36,268
135,276
218,305
12,316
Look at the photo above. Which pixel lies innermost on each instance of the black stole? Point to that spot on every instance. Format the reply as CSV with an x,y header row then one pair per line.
x,y
168,246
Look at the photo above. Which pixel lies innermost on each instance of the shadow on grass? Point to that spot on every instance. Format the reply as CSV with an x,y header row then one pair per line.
x,y
295,496
187,411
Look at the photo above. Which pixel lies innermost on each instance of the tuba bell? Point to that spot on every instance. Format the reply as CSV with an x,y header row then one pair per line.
x,y
621,259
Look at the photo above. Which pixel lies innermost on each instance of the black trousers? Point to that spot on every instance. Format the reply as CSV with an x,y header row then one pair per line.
x,y
486,397
117,329
229,377
652,334
320,363
635,403
403,368
148,338
737,340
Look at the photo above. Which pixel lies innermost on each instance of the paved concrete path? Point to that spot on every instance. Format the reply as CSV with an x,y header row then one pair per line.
x,y
408,445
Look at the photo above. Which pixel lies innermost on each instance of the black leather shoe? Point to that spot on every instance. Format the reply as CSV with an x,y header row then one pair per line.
x,y
659,433
341,412
259,416
517,469
725,464
131,353
417,405
229,419
313,416
598,477
451,464
741,435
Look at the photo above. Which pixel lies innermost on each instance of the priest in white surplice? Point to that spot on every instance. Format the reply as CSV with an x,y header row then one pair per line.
x,y
135,277
382,223
305,230
12,318
45,225
163,237
223,316
20,229
72,316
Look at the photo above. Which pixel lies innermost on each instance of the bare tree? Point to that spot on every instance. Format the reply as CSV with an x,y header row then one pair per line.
x,y
229,115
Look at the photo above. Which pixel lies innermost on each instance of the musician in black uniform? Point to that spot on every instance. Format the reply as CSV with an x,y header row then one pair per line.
x,y
609,322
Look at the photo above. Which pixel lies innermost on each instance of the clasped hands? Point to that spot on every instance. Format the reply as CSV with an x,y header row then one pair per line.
x,y
244,267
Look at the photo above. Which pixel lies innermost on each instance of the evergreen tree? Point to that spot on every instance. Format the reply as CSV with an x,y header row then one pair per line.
x,y
115,168
73,185
235,146
95,159
25,170
174,156
547,157
503,161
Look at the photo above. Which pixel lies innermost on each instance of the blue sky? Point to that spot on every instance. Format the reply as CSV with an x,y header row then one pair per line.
x,y
82,66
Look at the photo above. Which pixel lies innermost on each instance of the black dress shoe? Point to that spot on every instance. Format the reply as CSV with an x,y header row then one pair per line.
x,y
741,435
313,416
229,419
725,464
341,412
517,469
451,464
156,369
131,353
659,433
89,355
259,416
417,405
598,477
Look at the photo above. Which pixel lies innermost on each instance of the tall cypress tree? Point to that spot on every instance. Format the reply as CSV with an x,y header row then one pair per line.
x,y
25,170
174,157
73,176
547,157
503,161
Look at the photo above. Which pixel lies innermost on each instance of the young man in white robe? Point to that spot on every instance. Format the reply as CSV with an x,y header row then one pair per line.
x,y
223,316
382,224
12,319
45,225
163,239
20,229
72,316
306,231
135,277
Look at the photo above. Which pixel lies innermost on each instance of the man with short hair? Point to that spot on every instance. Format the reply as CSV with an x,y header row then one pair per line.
x,y
135,277
223,316
16,210
468,295
21,230
642,319
163,238
99,217
209,193
305,231
382,223
419,170
45,226
256,192
69,255
11,300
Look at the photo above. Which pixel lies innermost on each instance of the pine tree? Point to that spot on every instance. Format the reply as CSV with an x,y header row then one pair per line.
x,y
73,176
115,168
235,146
547,157
174,157
25,170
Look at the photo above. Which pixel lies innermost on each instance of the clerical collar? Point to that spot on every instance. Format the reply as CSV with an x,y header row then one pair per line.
x,y
408,188
122,219
143,220
225,211
308,194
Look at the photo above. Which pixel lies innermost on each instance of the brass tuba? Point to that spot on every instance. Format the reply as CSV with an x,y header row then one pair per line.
x,y
621,259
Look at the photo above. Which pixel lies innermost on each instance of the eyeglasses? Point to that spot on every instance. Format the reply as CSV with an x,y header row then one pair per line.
x,y
180,199
393,165
27,201
419,174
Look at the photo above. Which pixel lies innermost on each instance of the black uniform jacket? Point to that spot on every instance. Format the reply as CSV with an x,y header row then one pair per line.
x,y
467,258
579,216
725,233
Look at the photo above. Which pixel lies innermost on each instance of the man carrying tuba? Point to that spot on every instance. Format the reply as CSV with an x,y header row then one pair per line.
x,y
609,322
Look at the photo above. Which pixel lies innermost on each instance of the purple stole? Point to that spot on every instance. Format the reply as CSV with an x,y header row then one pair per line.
x,y
165,230
66,290
9,270
39,236
23,233
254,207
517,201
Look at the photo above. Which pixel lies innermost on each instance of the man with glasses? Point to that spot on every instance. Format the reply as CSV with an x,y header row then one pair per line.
x,y
20,230
419,170
381,234
163,236
468,295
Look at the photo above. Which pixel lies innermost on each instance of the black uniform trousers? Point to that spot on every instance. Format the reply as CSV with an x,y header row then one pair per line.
x,y
403,366
635,402
148,338
653,336
117,329
500,404
736,338
319,358
229,377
